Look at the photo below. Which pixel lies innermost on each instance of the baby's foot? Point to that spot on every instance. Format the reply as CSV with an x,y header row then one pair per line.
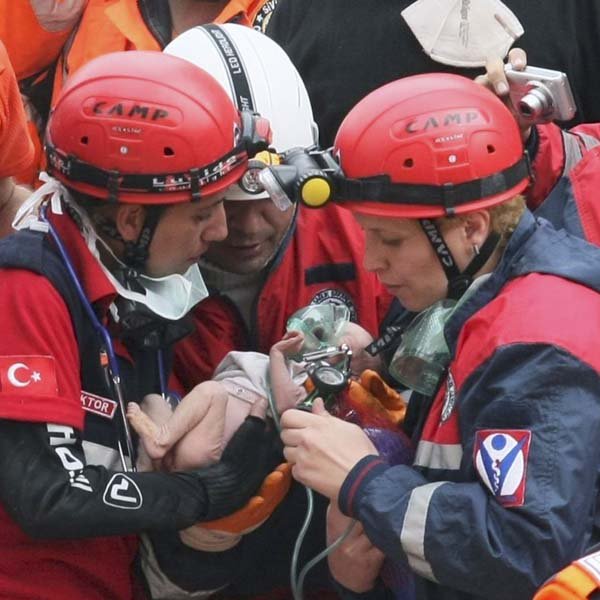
x,y
150,433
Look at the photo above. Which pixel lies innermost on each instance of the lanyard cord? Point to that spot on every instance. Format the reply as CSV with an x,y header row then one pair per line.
x,y
108,357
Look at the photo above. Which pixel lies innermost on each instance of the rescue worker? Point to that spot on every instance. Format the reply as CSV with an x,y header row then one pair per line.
x,y
141,146
274,259
68,34
272,263
502,357
16,149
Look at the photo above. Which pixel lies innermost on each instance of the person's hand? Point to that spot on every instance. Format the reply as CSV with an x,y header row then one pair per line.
x,y
224,533
373,394
259,508
286,392
321,448
355,563
495,80
289,345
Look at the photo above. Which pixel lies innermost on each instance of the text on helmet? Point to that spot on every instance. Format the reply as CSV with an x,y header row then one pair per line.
x,y
127,109
423,123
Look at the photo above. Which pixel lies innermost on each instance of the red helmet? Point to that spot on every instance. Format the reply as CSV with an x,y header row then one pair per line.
x,y
147,128
429,146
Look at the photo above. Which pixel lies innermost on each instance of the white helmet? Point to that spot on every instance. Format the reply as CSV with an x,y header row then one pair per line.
x,y
259,76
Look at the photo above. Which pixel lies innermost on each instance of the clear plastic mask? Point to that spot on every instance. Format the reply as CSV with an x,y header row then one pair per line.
x,y
320,324
423,355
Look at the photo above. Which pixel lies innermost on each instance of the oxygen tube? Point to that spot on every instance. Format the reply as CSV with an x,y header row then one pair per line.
x,y
297,579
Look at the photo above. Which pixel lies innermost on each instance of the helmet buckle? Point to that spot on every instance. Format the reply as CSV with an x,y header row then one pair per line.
x,y
449,198
195,184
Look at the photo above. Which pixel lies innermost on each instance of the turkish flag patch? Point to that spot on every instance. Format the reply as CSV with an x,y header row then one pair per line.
x,y
28,375
501,457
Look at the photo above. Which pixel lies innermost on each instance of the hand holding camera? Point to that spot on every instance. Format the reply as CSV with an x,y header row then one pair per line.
x,y
540,95
535,95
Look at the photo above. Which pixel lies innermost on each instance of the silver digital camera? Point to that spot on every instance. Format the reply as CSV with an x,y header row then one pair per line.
x,y
540,95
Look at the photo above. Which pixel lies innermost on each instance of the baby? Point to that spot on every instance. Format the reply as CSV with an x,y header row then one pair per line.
x,y
196,432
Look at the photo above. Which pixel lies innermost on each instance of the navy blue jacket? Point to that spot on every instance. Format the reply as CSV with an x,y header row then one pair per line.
x,y
504,489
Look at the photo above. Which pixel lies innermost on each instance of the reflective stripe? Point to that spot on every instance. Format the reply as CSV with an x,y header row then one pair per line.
x,y
591,565
56,16
96,454
588,141
412,537
573,153
438,456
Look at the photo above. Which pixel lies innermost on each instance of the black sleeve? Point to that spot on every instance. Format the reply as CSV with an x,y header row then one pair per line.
x,y
50,492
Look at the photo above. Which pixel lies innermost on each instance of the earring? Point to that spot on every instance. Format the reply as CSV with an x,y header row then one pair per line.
x,y
475,250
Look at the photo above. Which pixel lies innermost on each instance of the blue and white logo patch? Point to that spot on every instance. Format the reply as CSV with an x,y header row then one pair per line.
x,y
500,458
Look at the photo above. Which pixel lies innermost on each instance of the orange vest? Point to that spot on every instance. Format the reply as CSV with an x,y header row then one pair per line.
x,y
105,26
575,582
35,31
116,25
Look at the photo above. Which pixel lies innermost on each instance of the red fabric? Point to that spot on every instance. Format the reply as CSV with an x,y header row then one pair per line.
x,y
525,313
28,375
585,181
323,236
16,148
36,322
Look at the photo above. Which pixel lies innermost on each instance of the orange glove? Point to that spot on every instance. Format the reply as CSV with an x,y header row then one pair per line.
x,y
377,398
225,532
575,582
392,401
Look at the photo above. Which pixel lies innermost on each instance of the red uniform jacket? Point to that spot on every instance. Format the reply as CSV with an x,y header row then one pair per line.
x,y
320,261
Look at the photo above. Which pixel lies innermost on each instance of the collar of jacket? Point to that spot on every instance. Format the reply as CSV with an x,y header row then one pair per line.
x,y
534,247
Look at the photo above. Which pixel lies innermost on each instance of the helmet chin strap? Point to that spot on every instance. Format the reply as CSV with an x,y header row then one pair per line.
x,y
136,252
458,281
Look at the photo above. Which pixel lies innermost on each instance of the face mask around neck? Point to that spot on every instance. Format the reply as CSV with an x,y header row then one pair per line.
x,y
170,297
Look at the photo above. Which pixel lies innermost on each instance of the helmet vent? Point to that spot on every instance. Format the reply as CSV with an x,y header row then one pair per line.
x,y
491,149
168,151
409,163
84,140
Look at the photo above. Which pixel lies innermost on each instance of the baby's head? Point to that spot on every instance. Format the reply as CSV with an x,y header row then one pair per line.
x,y
355,336
358,339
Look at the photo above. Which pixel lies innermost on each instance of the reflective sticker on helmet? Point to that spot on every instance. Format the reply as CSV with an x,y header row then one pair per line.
x,y
500,458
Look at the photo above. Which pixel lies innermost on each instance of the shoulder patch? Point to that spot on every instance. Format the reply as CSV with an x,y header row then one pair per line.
x,y
339,297
263,16
449,398
500,458
28,375
122,492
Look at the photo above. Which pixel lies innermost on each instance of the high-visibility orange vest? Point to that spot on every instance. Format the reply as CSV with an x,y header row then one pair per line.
x,y
105,26
116,25
579,581
34,31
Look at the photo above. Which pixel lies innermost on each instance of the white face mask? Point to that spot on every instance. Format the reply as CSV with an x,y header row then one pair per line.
x,y
170,297
463,33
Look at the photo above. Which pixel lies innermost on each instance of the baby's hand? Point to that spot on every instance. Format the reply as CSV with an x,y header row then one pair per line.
x,y
289,345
